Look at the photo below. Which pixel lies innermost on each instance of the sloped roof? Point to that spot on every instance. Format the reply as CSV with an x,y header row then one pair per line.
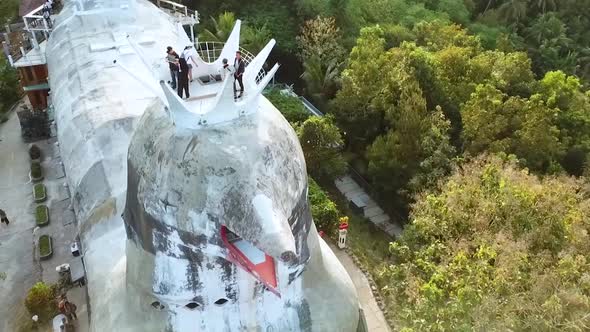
x,y
26,6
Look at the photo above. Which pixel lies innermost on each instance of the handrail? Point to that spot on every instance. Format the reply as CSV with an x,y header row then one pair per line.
x,y
177,8
210,51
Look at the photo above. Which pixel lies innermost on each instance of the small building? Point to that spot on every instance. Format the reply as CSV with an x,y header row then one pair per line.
x,y
25,50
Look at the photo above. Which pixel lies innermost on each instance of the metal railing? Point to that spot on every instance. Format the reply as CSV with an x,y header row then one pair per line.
x,y
34,21
35,29
210,51
177,9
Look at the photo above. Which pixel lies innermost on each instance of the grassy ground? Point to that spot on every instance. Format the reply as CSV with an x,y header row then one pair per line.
x,y
41,214
44,245
36,170
39,190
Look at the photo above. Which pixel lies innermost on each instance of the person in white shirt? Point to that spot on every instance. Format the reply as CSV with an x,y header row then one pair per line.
x,y
188,56
225,70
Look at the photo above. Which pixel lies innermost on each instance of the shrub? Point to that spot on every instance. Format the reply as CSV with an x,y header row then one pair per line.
x,y
36,172
290,106
324,211
41,300
34,152
41,215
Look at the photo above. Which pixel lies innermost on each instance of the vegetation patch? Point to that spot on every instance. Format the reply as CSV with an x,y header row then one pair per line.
x,y
42,215
45,247
40,193
290,106
34,152
41,299
324,211
36,172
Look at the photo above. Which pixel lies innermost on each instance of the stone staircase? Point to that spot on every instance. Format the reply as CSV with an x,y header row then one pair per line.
x,y
370,209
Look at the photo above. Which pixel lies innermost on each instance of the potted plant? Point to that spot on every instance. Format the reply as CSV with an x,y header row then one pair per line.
x,y
39,193
36,172
35,153
45,247
42,215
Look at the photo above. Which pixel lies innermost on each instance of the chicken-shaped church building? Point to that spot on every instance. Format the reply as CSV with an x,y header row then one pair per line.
x,y
193,214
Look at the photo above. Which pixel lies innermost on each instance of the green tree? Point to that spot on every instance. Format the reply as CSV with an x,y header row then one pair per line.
x,y
565,93
416,148
9,85
354,107
513,10
321,142
222,27
494,122
456,9
255,38
321,79
549,45
496,249
8,11
41,301
437,153
321,38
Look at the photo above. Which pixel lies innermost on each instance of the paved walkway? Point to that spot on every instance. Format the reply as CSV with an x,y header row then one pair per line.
x,y
373,315
18,268
353,192
19,261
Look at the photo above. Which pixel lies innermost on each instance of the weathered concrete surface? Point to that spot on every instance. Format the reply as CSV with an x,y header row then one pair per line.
x,y
373,315
185,184
17,264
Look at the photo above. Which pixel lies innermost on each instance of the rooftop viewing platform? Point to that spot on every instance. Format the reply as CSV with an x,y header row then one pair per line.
x,y
25,45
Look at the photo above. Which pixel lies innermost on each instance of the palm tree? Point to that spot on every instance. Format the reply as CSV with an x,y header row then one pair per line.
x,y
487,6
254,39
222,28
544,4
548,27
321,79
513,10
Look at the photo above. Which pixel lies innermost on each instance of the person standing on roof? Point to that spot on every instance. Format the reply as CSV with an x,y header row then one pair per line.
x,y
188,56
183,78
239,68
225,70
3,218
46,10
172,59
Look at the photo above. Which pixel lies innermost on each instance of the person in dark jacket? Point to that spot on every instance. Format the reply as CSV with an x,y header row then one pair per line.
x,y
3,217
172,58
183,78
239,67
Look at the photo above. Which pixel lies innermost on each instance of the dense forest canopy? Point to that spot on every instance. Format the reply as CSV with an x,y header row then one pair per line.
x,y
468,118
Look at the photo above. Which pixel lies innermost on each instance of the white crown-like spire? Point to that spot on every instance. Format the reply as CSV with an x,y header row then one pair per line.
x,y
232,45
225,107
